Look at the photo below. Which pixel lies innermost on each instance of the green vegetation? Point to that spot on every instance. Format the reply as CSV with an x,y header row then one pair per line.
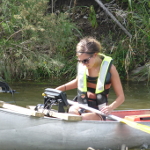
x,y
129,53
92,17
35,44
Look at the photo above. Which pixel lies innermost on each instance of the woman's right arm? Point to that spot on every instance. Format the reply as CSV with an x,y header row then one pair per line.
x,y
68,86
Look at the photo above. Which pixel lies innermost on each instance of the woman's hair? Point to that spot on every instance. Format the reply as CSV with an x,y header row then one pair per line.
x,y
88,45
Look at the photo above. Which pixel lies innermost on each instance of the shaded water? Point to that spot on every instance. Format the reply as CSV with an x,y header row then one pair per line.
x,y
30,93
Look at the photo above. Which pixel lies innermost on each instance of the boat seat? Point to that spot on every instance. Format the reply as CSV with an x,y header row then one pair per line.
x,y
141,118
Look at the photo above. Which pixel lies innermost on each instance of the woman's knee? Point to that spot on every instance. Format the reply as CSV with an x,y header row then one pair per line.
x,y
74,110
91,116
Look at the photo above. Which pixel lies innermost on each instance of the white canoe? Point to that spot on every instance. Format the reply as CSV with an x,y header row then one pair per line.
x,y
22,131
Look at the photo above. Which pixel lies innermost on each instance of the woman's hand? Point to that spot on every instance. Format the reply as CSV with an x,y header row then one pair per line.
x,y
106,110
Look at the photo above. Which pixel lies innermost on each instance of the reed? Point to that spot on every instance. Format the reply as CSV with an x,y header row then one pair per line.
x,y
36,44
129,53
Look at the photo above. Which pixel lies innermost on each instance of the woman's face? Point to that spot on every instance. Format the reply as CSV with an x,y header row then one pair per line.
x,y
86,60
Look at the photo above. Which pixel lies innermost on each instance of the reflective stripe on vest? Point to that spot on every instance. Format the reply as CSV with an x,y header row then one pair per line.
x,y
103,73
82,81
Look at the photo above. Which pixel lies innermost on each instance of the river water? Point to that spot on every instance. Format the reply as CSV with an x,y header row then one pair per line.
x,y
30,93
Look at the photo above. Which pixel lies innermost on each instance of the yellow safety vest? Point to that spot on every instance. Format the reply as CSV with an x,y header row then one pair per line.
x,y
82,81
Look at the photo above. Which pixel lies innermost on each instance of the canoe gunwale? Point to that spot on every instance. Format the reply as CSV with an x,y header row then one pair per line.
x,y
89,121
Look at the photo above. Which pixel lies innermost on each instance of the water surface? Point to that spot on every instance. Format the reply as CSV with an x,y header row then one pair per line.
x,y
30,93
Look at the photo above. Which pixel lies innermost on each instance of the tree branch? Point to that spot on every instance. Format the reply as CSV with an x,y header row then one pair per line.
x,y
113,17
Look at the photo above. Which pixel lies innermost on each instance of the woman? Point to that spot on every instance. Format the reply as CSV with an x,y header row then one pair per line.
x,y
96,74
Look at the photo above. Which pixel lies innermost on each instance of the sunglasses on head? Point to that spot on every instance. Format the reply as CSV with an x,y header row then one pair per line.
x,y
85,61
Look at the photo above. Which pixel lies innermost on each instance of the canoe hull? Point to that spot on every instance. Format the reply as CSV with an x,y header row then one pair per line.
x,y
22,132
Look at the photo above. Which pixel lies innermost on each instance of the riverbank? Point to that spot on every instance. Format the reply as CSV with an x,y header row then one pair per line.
x,y
38,39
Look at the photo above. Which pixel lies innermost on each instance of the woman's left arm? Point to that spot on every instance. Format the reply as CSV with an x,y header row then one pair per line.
x,y
117,86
